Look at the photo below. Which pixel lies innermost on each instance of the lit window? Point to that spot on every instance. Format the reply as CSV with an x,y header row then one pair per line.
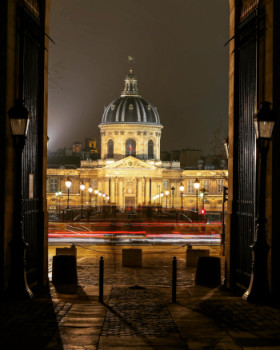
x,y
110,150
165,184
53,185
206,185
220,185
190,187
130,148
150,149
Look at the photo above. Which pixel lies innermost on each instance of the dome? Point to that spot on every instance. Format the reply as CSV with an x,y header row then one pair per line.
x,y
130,107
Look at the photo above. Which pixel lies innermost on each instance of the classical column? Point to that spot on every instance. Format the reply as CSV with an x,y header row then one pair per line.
x,y
140,194
113,190
136,192
144,190
117,192
121,197
150,191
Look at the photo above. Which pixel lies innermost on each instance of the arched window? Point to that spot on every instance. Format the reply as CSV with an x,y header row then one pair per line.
x,y
150,149
130,148
110,149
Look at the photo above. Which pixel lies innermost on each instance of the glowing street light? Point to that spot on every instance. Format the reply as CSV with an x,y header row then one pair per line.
x,y
196,185
90,189
173,193
82,188
166,195
161,197
68,184
96,193
58,195
182,188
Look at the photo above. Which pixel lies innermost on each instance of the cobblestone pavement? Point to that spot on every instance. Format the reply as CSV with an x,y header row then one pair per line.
x,y
137,312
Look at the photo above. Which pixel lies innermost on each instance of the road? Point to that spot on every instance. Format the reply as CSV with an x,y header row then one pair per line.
x,y
134,233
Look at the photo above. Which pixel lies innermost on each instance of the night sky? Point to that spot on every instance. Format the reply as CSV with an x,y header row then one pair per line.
x,y
180,61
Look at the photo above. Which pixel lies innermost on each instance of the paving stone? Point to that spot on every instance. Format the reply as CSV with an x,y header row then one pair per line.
x,y
137,312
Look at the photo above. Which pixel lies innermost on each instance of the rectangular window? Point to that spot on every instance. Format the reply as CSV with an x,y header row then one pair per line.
x,y
220,185
165,184
206,185
53,185
190,189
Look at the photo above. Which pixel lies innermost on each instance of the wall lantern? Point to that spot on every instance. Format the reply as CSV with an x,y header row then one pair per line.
x,y
19,118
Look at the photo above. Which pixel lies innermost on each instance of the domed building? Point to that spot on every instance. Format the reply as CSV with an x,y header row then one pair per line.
x,y
130,172
130,126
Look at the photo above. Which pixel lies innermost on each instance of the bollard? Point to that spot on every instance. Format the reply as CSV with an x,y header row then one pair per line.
x,y
101,279
174,279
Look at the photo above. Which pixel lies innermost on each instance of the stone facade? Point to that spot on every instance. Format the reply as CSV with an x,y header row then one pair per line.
x,y
133,182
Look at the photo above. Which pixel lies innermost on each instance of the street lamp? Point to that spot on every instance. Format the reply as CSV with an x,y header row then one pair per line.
x,y
90,189
172,192
82,188
196,185
258,290
18,287
161,197
202,196
68,184
99,195
166,195
181,188
58,195
95,197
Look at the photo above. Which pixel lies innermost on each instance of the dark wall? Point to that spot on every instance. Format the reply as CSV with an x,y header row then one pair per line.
x,y
3,79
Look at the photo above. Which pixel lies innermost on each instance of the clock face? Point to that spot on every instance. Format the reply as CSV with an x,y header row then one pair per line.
x,y
129,190
130,163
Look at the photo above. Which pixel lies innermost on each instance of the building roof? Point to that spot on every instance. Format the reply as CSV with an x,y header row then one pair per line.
x,y
130,107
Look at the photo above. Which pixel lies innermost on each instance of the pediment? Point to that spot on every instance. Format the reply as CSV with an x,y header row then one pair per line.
x,y
130,162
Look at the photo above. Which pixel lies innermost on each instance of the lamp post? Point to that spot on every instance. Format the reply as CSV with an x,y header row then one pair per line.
x,y
99,195
202,196
58,195
181,188
166,195
18,286
172,192
90,189
82,188
258,289
68,184
96,193
196,185
161,197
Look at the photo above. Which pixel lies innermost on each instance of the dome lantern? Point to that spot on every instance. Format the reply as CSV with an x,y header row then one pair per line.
x,y
130,85
130,107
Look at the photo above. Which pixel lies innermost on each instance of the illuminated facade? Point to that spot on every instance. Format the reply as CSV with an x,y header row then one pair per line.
x,y
130,172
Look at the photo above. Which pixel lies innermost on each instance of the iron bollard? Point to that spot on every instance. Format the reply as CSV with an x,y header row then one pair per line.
x,y
101,279
174,279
